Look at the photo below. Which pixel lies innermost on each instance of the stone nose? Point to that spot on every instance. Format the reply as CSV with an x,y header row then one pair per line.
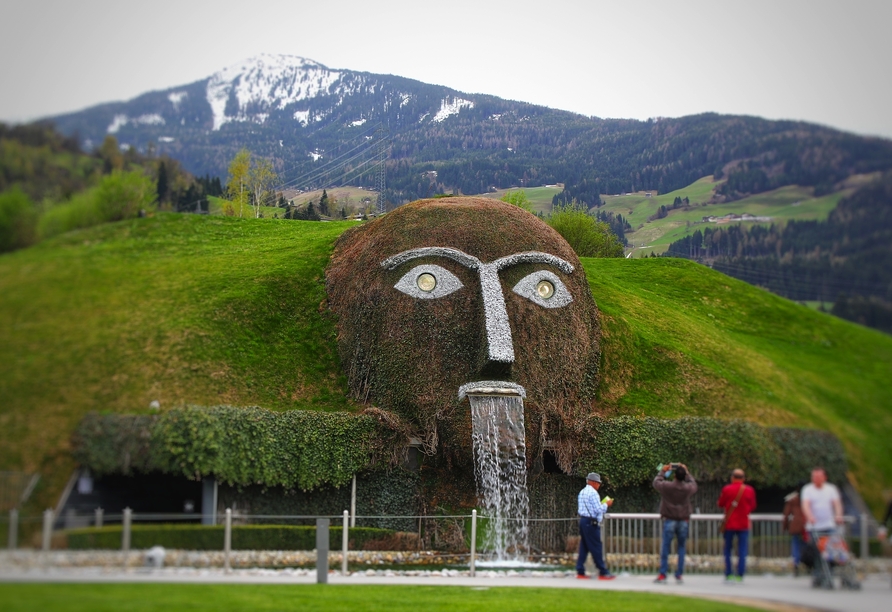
x,y
499,343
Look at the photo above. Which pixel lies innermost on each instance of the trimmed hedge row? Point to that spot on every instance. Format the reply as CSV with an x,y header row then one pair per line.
x,y
210,537
308,450
295,449
627,450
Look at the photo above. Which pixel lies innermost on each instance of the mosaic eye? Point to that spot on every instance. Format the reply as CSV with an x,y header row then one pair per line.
x,y
544,288
428,281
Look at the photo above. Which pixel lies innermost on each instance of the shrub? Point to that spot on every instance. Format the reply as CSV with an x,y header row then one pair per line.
x,y
18,220
295,449
627,450
210,537
122,195
588,236
77,213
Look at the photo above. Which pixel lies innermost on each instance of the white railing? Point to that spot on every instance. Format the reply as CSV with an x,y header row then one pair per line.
x,y
632,542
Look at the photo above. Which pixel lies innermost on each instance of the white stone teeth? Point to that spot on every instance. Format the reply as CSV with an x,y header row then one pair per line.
x,y
446,282
526,287
491,387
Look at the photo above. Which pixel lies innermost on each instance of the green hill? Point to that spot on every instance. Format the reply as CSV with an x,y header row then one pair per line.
x,y
207,310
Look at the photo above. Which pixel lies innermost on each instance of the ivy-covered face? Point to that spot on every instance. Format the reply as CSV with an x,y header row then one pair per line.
x,y
542,287
441,298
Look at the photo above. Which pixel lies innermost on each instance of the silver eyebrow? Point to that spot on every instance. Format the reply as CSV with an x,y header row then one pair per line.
x,y
471,262
468,261
533,257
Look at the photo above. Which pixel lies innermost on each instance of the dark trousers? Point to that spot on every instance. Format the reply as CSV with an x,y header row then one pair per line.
x,y
743,538
590,542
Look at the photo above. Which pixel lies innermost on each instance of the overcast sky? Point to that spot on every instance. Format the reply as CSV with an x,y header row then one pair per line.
x,y
820,61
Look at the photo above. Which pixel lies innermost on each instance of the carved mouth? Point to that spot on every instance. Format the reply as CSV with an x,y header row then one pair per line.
x,y
491,387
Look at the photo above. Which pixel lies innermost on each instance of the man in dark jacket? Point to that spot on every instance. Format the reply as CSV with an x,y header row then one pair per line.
x,y
675,509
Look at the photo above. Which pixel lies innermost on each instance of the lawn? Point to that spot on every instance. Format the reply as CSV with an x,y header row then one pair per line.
x,y
355,598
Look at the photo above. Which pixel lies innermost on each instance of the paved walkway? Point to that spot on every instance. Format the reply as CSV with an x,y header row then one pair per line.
x,y
766,592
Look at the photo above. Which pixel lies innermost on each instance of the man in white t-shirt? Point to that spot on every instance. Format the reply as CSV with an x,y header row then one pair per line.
x,y
821,503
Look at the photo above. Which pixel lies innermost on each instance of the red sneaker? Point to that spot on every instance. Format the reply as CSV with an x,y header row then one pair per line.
x,y
583,577
607,577
661,579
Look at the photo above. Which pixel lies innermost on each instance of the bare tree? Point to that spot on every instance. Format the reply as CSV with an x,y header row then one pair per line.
x,y
261,178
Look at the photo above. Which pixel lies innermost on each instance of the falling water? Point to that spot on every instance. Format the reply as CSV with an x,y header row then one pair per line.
x,y
501,473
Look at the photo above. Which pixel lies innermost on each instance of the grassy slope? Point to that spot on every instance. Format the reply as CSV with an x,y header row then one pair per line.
x,y
683,339
178,308
207,310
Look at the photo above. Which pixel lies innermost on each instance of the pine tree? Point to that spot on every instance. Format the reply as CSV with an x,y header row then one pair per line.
x,y
162,186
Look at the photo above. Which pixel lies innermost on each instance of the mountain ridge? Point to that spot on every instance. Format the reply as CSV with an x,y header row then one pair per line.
x,y
303,115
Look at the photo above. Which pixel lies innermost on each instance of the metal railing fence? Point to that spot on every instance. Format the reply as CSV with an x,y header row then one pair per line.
x,y
632,542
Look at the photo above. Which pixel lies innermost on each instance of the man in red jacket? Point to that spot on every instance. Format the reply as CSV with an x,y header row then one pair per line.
x,y
738,500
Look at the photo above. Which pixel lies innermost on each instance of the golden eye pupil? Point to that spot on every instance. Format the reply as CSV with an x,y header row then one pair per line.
x,y
426,282
545,289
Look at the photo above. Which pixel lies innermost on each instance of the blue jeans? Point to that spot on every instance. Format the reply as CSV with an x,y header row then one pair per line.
x,y
673,529
590,542
743,540
796,546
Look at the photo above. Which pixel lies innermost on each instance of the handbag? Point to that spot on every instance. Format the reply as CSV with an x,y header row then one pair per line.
x,y
731,508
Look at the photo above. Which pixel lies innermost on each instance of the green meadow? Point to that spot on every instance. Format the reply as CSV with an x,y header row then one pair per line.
x,y
784,204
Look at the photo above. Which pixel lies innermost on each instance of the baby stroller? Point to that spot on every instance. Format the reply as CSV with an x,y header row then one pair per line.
x,y
827,554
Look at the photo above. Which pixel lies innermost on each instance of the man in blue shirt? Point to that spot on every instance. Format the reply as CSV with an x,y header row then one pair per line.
x,y
591,513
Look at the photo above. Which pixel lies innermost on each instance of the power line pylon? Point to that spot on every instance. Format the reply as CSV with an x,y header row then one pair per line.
x,y
383,147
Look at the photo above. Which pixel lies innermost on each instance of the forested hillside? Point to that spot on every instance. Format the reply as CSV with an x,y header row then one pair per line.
x,y
846,259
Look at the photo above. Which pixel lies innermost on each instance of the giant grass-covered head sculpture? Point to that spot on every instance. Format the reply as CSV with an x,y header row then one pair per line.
x,y
445,297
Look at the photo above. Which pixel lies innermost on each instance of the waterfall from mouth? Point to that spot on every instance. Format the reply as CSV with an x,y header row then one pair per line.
x,y
500,469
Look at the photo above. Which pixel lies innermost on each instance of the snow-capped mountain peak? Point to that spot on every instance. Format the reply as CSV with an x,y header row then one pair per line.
x,y
250,89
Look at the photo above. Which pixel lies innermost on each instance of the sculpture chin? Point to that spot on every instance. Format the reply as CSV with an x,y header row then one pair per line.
x,y
491,387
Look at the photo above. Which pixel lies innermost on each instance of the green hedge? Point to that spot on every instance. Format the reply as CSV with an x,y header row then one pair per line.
x,y
627,450
201,537
295,449
308,450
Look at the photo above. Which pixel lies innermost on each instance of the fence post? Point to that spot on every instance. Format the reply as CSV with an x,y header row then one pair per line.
x,y
353,503
12,540
344,543
47,528
227,539
473,564
322,525
98,517
865,534
125,534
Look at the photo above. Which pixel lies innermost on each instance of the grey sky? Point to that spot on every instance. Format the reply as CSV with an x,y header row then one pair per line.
x,y
820,61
